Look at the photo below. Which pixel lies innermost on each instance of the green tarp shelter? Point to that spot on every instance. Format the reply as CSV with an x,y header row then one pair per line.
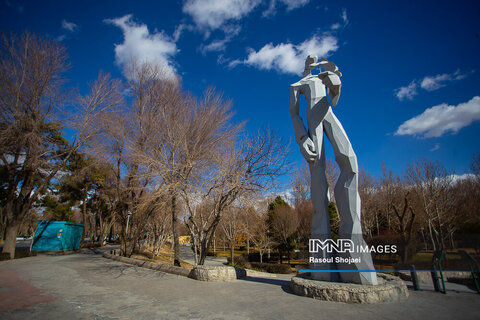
x,y
57,236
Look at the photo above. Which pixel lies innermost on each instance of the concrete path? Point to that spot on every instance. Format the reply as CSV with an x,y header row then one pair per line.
x,y
88,286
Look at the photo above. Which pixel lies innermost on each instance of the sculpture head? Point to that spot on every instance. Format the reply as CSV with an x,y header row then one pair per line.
x,y
311,61
310,64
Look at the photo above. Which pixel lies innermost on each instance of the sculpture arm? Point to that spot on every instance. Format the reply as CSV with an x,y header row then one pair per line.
x,y
331,80
298,126
301,135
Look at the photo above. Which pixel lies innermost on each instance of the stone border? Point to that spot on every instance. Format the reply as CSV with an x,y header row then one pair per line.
x,y
201,273
389,289
150,265
259,274
450,276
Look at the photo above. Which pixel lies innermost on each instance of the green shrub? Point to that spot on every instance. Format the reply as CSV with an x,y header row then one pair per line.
x,y
272,267
240,262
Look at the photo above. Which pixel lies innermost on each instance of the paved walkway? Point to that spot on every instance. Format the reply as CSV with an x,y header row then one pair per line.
x,y
88,286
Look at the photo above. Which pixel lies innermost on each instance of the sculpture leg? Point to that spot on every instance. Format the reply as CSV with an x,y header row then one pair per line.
x,y
320,219
348,203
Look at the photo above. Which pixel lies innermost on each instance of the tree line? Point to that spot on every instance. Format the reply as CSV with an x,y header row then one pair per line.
x,y
425,208
142,155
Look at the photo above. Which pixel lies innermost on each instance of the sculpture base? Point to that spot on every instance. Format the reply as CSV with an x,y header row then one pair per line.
x,y
388,289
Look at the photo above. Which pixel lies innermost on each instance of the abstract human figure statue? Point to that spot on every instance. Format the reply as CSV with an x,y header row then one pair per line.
x,y
320,120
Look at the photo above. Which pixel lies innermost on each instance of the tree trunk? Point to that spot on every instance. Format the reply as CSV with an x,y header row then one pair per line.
x,y
176,244
232,252
214,244
403,249
431,235
452,243
84,215
424,240
195,252
104,232
202,252
11,232
248,245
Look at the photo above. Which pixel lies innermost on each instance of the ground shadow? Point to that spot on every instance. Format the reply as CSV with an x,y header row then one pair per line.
x,y
116,271
283,284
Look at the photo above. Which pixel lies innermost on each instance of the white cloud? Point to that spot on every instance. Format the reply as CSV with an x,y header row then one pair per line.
x,y
69,26
61,37
179,30
434,83
344,17
215,45
287,57
224,15
436,147
294,4
437,120
335,26
221,44
210,15
431,83
141,45
407,92
458,178
272,10
290,5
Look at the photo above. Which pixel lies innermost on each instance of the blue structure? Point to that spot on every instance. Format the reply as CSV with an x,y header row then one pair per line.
x,y
57,236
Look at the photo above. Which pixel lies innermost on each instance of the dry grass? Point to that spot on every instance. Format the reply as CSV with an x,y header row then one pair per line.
x,y
165,257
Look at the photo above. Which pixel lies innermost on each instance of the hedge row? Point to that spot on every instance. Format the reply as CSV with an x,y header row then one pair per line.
x,y
241,261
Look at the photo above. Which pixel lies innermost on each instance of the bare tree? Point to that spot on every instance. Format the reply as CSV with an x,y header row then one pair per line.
x,y
284,226
127,144
232,226
432,185
32,149
301,184
237,171
396,197
261,237
159,228
475,189
185,135
304,213
332,172
369,195
475,165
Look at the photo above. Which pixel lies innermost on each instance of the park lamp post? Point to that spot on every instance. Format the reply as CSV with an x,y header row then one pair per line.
x,y
128,220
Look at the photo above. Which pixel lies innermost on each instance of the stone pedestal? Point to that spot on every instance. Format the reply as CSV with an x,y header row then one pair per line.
x,y
388,289
213,273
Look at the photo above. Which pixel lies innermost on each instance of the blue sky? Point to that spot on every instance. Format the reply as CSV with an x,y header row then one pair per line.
x,y
411,69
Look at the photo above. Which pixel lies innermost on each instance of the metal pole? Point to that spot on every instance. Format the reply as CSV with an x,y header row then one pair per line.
x,y
128,220
413,274
435,280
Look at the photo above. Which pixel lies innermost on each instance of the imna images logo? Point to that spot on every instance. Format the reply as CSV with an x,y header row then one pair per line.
x,y
347,245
